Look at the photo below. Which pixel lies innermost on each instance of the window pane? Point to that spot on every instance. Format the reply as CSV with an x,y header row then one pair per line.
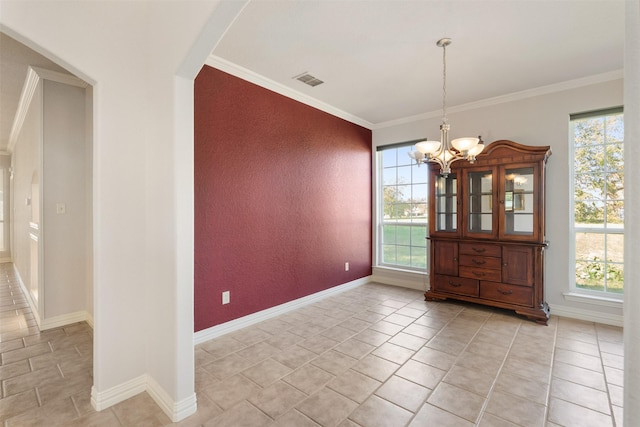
x,y
418,258
589,212
404,192
589,186
403,155
590,275
615,278
389,254
615,214
403,255
419,237
589,159
615,247
419,213
589,131
390,211
403,235
615,128
590,246
598,183
614,157
404,175
615,186
389,158
389,176
403,208
389,234
419,193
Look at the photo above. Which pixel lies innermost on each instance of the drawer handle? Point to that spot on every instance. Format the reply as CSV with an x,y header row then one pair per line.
x,y
455,285
505,292
479,273
479,250
479,261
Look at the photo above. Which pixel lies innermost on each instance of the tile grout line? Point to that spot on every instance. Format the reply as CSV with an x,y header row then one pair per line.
x,y
604,375
495,379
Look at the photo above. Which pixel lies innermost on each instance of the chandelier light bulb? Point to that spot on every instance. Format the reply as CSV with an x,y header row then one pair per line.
x,y
428,147
464,144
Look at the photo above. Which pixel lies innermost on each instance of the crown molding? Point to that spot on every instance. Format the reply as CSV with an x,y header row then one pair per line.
x,y
248,75
515,96
34,75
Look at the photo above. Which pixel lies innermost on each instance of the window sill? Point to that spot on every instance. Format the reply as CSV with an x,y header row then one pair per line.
x,y
593,299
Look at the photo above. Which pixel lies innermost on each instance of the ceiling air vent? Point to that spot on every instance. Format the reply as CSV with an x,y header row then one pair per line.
x,y
307,78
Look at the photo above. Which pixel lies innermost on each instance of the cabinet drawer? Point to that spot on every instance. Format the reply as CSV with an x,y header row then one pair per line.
x,y
491,263
455,285
480,249
502,292
481,273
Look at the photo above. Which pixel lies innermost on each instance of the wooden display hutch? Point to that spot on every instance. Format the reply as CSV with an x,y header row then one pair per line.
x,y
486,229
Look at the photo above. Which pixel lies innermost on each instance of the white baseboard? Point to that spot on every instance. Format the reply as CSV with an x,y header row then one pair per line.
x,y
251,319
56,321
66,319
587,315
105,399
405,279
174,410
27,294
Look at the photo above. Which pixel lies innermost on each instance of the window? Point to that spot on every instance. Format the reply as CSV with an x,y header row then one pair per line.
x,y
402,209
598,200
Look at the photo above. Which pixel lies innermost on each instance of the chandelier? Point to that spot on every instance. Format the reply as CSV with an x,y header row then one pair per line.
x,y
445,152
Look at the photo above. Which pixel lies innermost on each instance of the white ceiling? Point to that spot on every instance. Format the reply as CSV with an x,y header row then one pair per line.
x,y
379,61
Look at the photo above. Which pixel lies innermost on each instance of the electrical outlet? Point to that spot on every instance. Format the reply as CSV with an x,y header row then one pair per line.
x,y
346,266
226,297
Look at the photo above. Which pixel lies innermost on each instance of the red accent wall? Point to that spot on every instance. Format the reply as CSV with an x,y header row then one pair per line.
x,y
282,199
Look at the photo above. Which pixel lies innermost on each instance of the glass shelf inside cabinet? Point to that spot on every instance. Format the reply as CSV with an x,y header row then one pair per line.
x,y
480,201
446,203
519,201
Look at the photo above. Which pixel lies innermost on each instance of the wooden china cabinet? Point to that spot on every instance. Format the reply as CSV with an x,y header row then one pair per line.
x,y
486,230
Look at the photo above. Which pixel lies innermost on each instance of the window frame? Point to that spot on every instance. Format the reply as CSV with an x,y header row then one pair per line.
x,y
603,230
381,222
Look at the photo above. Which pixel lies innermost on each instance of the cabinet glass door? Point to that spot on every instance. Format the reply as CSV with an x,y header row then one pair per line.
x,y
519,201
480,203
446,199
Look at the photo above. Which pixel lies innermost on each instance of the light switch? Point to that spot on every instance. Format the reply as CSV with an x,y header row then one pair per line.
x,y
61,208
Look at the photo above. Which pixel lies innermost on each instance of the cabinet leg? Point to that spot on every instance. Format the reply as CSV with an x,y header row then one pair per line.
x,y
539,315
429,296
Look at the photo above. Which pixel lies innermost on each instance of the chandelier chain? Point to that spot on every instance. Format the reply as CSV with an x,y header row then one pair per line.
x,y
444,83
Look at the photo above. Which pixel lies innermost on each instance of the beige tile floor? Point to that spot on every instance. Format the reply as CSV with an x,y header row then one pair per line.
x,y
373,356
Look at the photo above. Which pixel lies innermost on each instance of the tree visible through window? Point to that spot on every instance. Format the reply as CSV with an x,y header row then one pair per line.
x,y
403,209
598,200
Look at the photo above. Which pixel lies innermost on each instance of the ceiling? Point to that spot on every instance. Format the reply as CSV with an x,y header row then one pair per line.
x,y
379,61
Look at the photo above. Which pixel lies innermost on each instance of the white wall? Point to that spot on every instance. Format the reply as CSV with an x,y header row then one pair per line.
x,y
25,161
632,205
141,58
63,235
50,151
535,120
